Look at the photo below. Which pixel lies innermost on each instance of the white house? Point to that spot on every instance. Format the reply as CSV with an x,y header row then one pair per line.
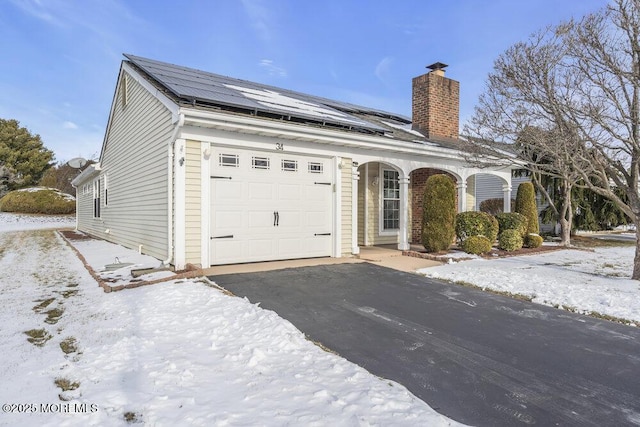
x,y
204,169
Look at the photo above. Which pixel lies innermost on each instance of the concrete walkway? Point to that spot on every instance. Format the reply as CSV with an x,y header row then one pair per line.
x,y
383,256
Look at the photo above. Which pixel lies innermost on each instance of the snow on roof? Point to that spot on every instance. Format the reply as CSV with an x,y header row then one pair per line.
x,y
278,101
405,127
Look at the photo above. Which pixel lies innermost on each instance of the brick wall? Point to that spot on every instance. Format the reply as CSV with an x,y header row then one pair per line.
x,y
418,179
436,105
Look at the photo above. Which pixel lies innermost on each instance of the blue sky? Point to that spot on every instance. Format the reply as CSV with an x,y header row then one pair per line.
x,y
60,58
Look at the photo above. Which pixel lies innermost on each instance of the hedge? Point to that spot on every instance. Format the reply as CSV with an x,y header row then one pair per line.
x,y
476,245
38,200
476,224
511,221
533,240
510,240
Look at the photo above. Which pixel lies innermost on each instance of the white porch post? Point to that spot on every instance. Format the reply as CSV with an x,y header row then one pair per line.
x,y
403,243
355,177
462,195
506,188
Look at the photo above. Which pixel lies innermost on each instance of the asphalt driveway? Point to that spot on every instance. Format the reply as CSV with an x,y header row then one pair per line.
x,y
478,358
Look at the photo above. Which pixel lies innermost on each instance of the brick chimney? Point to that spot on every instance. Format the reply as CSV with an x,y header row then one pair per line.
x,y
436,104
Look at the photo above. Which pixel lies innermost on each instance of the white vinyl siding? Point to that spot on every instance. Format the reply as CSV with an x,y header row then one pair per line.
x,y
193,201
136,156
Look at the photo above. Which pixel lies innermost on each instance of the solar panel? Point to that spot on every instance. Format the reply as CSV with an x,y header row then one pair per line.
x,y
190,84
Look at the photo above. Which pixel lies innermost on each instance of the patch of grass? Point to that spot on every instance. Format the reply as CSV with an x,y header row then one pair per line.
x,y
43,304
54,315
65,384
69,293
132,417
69,345
614,319
38,337
590,242
72,285
520,297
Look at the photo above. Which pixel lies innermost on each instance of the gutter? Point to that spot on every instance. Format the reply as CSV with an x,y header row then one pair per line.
x,y
172,142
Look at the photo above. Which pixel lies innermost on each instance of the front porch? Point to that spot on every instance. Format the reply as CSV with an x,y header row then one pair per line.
x,y
388,201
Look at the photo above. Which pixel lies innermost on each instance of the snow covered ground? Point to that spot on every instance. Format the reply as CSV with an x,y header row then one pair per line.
x,y
176,353
584,281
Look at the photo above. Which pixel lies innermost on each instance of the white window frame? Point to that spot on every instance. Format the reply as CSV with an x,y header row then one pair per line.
x,y
381,230
227,156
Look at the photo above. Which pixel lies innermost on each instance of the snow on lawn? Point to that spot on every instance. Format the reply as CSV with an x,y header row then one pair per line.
x,y
14,222
583,280
177,353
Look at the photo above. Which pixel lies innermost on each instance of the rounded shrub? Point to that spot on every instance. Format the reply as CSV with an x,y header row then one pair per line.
x,y
533,240
476,245
512,221
526,205
38,200
438,213
476,224
510,240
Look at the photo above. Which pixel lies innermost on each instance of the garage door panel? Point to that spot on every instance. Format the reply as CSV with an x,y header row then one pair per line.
x,y
289,192
229,190
291,247
260,248
260,191
260,220
288,220
227,250
228,220
318,220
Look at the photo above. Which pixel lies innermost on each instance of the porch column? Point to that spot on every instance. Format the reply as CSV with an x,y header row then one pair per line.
x,y
462,195
506,188
403,242
355,177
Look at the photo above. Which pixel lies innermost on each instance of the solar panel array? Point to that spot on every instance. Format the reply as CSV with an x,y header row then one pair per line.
x,y
199,86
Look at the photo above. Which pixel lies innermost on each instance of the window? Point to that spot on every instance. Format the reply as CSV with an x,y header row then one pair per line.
x,y
230,160
289,165
260,162
96,198
315,167
390,200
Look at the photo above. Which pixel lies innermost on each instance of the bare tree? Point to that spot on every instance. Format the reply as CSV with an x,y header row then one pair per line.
x,y
581,81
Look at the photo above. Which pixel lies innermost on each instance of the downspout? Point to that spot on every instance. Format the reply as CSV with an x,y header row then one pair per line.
x,y
172,142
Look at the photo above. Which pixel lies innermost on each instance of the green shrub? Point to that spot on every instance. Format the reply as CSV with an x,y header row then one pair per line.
x,y
438,213
526,205
38,200
476,245
494,206
512,221
510,240
476,224
533,240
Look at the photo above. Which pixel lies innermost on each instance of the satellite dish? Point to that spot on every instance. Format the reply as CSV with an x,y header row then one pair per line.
x,y
77,162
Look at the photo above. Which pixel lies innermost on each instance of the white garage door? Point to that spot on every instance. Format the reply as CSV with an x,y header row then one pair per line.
x,y
269,206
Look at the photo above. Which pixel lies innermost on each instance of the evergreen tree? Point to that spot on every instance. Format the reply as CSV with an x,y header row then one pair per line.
x,y
438,213
526,205
23,157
